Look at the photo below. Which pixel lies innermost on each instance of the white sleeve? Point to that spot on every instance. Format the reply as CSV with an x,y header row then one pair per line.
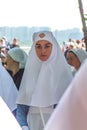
x,y
25,128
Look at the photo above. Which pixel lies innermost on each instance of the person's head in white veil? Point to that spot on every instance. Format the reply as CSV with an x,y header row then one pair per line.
x,y
71,113
76,57
46,74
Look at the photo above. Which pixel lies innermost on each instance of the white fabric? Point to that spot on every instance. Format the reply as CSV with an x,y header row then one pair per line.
x,y
25,128
71,113
8,89
38,116
44,82
19,55
36,110
7,120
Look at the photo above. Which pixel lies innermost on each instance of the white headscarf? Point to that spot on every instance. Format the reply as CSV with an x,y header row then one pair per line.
x,y
80,53
44,82
8,89
18,55
71,113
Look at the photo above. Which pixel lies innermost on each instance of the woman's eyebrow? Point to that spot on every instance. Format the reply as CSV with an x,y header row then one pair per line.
x,y
38,44
48,43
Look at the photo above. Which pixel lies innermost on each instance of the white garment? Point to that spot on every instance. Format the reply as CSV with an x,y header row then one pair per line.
x,y
71,113
8,89
44,82
38,116
7,120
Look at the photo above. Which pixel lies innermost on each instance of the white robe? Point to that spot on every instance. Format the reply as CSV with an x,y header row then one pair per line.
x,y
43,82
71,113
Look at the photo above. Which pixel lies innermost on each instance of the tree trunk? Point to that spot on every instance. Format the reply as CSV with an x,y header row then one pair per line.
x,y
83,21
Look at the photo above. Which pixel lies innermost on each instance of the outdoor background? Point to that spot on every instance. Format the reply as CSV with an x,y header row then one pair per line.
x,y
20,18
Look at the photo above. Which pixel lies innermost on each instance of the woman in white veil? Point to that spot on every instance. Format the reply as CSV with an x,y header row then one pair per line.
x,y
44,80
75,58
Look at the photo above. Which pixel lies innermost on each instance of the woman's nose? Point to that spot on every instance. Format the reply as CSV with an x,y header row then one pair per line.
x,y
43,50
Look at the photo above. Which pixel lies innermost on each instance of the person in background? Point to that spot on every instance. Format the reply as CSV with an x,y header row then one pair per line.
x,y
6,42
15,61
3,50
71,44
3,58
8,90
46,77
75,58
71,113
3,53
15,43
2,43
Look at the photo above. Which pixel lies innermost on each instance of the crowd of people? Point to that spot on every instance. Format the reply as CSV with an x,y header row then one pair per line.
x,y
72,43
75,53
41,86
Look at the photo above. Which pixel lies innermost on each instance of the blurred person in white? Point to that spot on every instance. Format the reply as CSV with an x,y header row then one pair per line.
x,y
45,79
8,89
75,58
7,120
71,113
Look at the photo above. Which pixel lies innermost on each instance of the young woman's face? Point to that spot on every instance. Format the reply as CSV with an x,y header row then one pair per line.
x,y
43,49
73,60
9,62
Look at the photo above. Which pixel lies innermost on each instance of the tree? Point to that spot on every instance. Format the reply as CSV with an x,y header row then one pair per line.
x,y
83,20
85,15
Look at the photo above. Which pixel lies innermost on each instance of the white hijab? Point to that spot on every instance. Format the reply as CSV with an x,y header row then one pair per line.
x,y
71,113
8,89
80,53
44,82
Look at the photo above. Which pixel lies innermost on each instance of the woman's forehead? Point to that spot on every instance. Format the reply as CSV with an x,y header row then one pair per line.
x,y
42,42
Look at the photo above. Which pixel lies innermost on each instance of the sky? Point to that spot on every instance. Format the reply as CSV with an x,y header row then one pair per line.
x,y
57,14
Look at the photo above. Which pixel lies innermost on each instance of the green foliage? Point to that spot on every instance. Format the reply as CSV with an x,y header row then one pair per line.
x,y
85,17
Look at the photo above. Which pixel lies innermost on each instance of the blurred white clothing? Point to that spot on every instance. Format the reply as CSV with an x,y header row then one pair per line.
x,y
71,113
8,90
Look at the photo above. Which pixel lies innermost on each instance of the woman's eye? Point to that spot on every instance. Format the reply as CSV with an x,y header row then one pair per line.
x,y
38,47
47,46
